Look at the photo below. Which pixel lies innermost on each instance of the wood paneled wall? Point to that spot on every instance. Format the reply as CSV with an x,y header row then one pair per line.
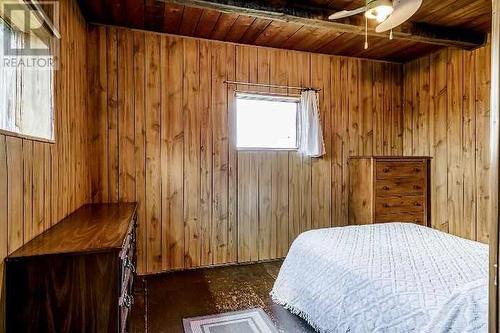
x,y
40,183
163,135
447,116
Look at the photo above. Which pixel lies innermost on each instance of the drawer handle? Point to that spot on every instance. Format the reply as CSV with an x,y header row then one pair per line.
x,y
385,188
416,169
129,264
417,187
123,253
385,205
386,170
126,245
126,301
418,204
132,235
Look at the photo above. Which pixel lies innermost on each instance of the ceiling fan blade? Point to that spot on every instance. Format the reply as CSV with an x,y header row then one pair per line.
x,y
403,10
346,13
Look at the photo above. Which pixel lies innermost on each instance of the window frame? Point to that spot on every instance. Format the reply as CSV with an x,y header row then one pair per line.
x,y
266,96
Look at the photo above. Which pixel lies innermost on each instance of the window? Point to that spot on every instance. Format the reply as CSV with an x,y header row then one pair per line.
x,y
26,80
266,122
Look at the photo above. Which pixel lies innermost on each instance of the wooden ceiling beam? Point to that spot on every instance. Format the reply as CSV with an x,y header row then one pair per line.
x,y
318,17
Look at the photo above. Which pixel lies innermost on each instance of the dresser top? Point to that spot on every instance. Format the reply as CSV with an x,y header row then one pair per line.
x,y
92,228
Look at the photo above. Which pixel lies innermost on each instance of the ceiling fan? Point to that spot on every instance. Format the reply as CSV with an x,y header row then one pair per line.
x,y
389,14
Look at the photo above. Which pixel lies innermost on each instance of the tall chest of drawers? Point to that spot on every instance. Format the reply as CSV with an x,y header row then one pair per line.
x,y
389,189
77,276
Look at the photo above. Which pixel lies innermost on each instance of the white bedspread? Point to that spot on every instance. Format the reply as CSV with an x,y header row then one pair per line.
x,y
393,277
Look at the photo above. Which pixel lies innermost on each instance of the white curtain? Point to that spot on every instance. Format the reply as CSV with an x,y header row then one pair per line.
x,y
310,133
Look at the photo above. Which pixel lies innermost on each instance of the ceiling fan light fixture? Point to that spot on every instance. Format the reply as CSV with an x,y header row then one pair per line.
x,y
378,10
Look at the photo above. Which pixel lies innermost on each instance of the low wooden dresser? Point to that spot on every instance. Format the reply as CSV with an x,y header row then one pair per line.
x,y
389,189
77,276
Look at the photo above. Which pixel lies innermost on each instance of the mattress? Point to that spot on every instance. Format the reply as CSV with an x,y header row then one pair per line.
x,y
393,277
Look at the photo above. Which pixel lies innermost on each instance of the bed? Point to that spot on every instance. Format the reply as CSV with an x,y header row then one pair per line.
x,y
393,277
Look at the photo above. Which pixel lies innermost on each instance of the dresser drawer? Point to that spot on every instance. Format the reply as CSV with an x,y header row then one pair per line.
x,y
126,303
409,217
126,299
128,274
400,209
401,203
399,169
128,264
399,186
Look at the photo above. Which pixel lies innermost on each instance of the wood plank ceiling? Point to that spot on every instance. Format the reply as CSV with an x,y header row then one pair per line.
x,y
232,27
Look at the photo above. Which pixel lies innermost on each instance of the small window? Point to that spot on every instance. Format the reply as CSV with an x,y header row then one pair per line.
x,y
26,74
266,122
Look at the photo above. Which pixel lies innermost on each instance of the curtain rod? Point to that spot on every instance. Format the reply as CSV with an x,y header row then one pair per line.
x,y
270,85
267,93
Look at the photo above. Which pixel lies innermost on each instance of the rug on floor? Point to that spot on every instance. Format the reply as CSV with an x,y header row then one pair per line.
x,y
247,321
